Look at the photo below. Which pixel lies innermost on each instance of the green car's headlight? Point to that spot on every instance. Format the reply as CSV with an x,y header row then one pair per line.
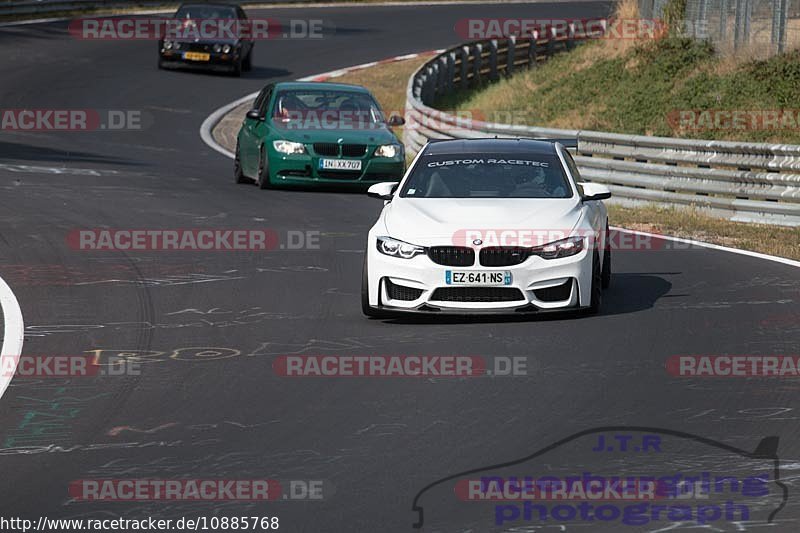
x,y
395,248
289,147
387,150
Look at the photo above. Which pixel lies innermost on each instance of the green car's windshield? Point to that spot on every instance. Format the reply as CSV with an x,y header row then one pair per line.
x,y
326,109
487,176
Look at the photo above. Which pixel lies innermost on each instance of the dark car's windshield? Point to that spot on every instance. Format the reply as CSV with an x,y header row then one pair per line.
x,y
323,107
481,176
200,12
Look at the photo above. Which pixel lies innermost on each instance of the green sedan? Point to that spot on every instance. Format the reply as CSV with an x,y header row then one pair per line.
x,y
313,133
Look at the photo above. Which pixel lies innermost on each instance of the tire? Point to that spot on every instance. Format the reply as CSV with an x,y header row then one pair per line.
x,y
597,286
605,278
236,70
367,309
263,171
238,175
247,64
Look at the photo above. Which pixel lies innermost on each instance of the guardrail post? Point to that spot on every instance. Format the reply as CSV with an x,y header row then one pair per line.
x,y
464,68
451,70
511,55
417,86
445,79
571,36
428,86
533,49
551,42
493,75
435,77
476,65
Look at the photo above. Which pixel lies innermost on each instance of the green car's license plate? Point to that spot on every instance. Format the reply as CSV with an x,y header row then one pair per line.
x,y
340,164
466,277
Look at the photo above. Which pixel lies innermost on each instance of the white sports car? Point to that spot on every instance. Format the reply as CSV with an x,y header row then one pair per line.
x,y
488,226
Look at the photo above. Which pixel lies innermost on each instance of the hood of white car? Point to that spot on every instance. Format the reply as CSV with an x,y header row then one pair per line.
x,y
440,221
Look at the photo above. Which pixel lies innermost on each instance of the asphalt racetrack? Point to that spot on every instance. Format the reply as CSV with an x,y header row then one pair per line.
x,y
204,328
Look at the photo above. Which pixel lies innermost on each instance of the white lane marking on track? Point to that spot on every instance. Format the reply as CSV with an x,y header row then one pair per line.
x,y
208,124
13,334
55,170
748,253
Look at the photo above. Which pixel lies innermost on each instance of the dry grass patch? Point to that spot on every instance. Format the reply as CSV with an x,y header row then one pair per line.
x,y
693,224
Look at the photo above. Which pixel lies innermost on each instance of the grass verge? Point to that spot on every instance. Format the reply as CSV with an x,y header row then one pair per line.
x,y
669,86
644,89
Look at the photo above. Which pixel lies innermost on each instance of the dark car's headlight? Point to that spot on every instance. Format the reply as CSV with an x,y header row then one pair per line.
x,y
558,249
387,150
395,248
226,49
289,147
167,45
217,48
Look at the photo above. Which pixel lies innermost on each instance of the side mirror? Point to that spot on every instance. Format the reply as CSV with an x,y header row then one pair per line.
x,y
254,114
594,191
396,120
382,191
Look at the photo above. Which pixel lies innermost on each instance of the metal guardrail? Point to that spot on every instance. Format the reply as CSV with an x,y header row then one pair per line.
x,y
751,182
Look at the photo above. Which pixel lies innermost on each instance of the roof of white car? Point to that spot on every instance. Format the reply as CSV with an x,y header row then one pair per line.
x,y
490,146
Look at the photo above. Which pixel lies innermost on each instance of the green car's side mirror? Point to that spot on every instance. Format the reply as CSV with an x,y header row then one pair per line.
x,y
396,120
254,114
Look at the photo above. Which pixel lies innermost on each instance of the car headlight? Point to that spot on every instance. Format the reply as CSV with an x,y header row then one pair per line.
x,y
387,150
167,45
226,49
395,248
558,249
289,147
177,46
217,48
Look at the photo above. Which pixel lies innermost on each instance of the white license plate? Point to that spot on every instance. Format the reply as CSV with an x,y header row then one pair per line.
x,y
467,277
340,164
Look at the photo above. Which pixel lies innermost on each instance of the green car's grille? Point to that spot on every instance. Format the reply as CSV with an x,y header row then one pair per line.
x,y
333,149
353,150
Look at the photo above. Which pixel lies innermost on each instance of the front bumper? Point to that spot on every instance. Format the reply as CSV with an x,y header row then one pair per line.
x,y
304,170
568,280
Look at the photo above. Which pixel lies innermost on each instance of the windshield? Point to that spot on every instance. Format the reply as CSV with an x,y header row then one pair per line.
x,y
326,108
206,12
497,176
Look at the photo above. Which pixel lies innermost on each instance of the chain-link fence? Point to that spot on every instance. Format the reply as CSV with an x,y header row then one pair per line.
x,y
763,27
